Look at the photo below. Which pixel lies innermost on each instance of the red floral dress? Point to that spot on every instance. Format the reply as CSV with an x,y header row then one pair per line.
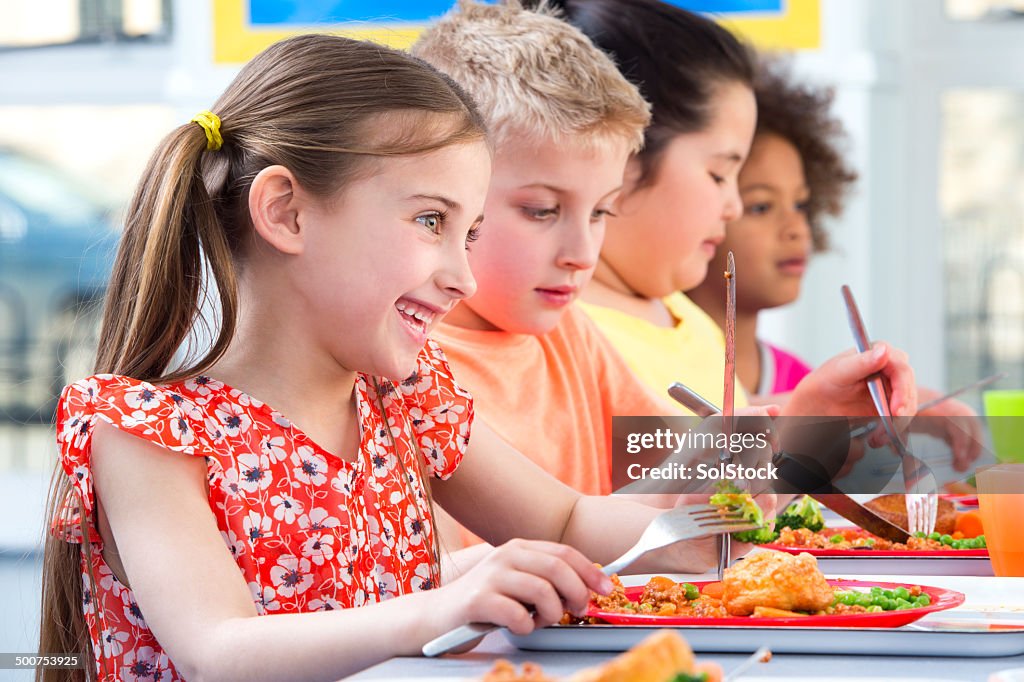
x,y
308,531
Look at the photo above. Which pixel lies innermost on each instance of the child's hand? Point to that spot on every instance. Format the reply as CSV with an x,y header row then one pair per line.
x,y
522,585
957,424
839,387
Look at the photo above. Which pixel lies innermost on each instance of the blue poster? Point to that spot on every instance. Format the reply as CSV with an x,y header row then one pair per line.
x,y
730,6
314,12
311,12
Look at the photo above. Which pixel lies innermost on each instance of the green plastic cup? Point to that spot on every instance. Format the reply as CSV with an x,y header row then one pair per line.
x,y
1005,413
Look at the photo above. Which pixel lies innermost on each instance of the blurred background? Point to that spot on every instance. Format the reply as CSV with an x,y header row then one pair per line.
x,y
931,92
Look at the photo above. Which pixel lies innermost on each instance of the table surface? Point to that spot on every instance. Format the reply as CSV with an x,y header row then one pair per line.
x,y
982,593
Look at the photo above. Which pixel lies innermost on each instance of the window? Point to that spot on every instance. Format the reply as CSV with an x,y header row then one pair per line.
x,y
56,22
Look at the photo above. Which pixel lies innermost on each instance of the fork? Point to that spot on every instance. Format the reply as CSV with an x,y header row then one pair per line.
x,y
922,508
680,523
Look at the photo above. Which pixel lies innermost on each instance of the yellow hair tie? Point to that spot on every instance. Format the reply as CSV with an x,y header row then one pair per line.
x,y
210,123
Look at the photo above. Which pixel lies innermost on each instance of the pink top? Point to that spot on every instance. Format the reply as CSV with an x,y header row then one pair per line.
x,y
308,530
780,371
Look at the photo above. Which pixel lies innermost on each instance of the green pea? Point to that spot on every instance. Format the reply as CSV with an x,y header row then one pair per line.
x,y
924,600
919,534
946,539
836,539
901,593
983,542
874,608
934,536
692,591
891,605
875,591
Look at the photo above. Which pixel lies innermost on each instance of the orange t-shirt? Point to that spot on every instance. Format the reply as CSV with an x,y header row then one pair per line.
x,y
553,396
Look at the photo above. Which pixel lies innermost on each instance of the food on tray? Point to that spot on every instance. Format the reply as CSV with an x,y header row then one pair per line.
x,y
969,524
858,539
662,657
776,580
765,585
893,508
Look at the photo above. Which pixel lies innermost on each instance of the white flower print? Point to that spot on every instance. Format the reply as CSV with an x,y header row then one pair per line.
x,y
387,585
286,508
382,463
423,580
113,642
273,448
434,452
82,474
256,525
291,575
417,382
215,430
448,413
144,663
204,386
137,418
109,582
235,546
264,597
326,604
281,420
319,548
232,418
181,429
143,397
421,421
245,399
131,610
403,551
253,472
230,483
88,388
77,429
318,518
414,527
309,466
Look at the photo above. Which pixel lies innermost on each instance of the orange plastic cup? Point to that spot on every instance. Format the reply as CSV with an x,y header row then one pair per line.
x,y
1001,499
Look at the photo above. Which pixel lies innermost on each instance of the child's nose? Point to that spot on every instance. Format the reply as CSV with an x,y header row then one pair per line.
x,y
733,207
796,226
456,278
580,247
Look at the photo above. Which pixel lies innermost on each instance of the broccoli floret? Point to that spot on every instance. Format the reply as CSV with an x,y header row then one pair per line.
x,y
730,497
802,513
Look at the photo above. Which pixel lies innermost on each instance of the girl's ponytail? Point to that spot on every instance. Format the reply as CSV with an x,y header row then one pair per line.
x,y
157,286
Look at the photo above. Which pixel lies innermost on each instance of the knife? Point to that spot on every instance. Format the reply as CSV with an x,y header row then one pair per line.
x,y
852,510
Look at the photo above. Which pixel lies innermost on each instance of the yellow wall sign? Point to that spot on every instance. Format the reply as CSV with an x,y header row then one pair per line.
x,y
241,28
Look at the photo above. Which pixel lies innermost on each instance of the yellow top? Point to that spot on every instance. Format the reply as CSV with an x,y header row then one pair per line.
x,y
692,352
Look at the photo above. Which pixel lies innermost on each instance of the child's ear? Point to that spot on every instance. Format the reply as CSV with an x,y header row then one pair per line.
x,y
273,206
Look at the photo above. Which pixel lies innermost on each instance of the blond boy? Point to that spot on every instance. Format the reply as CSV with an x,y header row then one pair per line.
x,y
563,122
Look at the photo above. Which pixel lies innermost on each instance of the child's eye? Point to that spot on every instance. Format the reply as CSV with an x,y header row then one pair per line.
x,y
719,180
600,214
803,206
472,236
540,213
758,209
433,221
